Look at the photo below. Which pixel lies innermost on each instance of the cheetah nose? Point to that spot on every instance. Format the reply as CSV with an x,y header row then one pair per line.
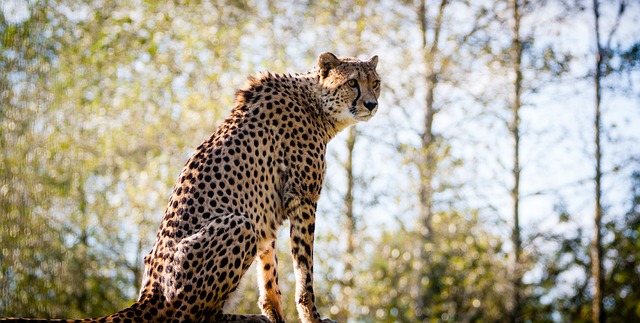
x,y
370,105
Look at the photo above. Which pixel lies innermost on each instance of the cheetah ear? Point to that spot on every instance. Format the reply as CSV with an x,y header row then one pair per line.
x,y
327,61
373,60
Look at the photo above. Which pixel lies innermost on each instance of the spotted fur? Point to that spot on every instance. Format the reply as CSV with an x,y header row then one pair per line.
x,y
263,165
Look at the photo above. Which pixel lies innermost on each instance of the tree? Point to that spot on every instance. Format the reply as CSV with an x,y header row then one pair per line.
x,y
528,63
622,284
516,53
31,183
466,260
113,93
573,255
603,68
598,314
430,33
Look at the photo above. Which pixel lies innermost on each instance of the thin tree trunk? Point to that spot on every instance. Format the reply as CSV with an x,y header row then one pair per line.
x,y
350,227
348,282
427,167
427,134
597,313
516,56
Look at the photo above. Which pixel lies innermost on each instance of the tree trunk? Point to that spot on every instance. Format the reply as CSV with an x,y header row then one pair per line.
x,y
350,265
427,162
597,313
350,226
514,128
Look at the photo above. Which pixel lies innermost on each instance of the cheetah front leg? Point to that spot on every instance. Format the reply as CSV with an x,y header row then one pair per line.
x,y
270,296
302,218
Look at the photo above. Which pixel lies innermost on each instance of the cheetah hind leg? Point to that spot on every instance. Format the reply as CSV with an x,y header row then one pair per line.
x,y
238,318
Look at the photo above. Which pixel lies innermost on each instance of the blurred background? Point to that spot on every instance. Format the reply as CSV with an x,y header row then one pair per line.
x,y
500,180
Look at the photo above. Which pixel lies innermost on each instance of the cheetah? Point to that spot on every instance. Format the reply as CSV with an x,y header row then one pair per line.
x,y
265,164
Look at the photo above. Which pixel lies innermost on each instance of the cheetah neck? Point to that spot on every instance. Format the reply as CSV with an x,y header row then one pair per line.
x,y
332,127
310,86
305,91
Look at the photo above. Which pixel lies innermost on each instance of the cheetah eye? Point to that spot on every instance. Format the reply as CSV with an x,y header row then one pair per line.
x,y
376,84
352,83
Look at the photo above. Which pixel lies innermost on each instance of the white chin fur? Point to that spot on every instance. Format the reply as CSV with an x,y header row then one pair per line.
x,y
364,117
348,118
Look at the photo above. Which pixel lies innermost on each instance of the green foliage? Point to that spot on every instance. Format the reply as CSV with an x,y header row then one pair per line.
x,y
622,287
94,128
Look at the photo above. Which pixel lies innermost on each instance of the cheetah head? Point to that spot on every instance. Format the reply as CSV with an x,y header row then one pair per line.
x,y
350,88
